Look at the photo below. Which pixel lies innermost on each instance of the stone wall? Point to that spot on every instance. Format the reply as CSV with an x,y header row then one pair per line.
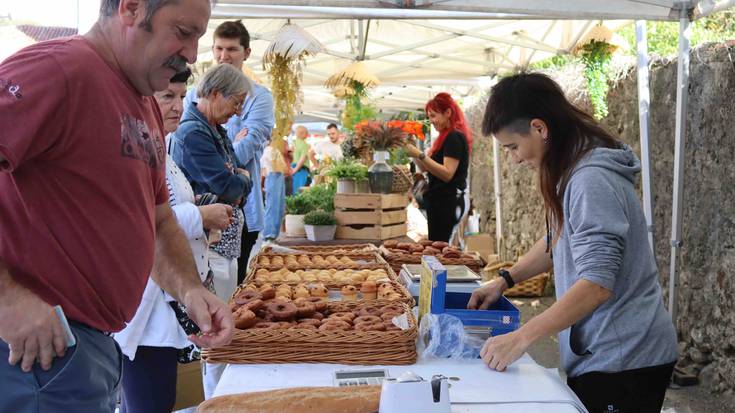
x,y
706,322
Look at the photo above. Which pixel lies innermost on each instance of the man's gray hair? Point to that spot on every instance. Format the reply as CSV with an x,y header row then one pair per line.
x,y
109,7
226,79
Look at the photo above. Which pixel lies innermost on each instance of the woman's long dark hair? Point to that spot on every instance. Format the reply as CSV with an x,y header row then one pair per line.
x,y
515,101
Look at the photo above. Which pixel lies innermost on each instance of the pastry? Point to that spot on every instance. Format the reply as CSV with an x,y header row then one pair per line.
x,y
349,293
369,290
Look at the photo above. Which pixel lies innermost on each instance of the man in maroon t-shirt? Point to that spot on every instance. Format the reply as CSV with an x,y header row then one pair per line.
x,y
84,203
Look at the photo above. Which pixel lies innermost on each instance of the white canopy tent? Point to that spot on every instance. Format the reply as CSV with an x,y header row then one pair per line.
x,y
412,45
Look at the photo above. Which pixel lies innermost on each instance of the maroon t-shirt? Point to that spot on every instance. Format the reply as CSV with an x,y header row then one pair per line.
x,y
83,174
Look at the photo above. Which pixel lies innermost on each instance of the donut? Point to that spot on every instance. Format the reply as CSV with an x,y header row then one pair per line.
x,y
282,310
320,304
343,315
267,292
254,305
369,311
284,325
335,325
247,296
376,326
368,319
392,309
305,309
312,321
317,316
244,318
388,316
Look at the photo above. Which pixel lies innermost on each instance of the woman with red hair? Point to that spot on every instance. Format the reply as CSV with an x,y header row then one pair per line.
x,y
446,201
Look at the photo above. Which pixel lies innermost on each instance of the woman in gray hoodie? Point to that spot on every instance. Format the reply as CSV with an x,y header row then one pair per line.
x,y
617,343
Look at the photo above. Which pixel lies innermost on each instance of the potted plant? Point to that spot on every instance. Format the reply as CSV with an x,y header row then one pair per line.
x,y
296,207
348,174
320,225
381,137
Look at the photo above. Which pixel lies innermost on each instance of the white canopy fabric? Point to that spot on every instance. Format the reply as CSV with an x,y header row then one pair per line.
x,y
414,58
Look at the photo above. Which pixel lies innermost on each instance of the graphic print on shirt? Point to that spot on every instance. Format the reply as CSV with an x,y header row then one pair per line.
x,y
137,142
10,88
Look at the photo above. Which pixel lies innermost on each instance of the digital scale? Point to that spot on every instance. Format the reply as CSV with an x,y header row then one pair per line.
x,y
460,279
348,378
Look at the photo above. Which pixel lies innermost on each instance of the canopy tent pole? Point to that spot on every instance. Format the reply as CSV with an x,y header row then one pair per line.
x,y
644,100
497,185
682,95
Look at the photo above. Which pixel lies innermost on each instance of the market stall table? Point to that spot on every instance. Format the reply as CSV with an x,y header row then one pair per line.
x,y
524,387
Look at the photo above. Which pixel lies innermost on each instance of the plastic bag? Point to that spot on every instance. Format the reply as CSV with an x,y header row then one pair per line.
x,y
444,336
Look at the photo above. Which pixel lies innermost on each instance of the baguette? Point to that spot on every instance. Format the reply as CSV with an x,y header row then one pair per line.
x,y
360,399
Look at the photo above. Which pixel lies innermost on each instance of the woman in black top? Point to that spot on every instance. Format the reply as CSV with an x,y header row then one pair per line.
x,y
447,162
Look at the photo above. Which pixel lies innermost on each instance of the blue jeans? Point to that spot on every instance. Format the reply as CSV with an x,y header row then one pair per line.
x,y
275,204
299,179
85,380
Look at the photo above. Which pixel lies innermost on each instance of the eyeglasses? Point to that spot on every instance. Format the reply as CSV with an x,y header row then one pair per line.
x,y
238,103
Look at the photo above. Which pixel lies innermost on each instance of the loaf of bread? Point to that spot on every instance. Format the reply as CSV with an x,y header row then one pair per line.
x,y
359,399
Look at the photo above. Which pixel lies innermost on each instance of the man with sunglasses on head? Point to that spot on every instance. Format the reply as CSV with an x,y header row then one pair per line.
x,y
84,204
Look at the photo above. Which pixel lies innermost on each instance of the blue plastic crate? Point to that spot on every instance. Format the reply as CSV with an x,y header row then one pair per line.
x,y
502,317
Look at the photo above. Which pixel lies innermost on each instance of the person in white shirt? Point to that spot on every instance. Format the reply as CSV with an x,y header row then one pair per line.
x,y
152,342
331,148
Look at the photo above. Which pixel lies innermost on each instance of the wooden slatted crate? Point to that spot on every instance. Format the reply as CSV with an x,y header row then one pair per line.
x,y
370,216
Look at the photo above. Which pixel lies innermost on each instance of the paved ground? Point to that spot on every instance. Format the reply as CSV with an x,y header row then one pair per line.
x,y
694,399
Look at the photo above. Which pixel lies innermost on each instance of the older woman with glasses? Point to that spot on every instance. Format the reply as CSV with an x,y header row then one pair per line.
x,y
201,149
204,153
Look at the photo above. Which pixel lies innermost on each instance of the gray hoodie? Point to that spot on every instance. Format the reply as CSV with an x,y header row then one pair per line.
x,y
604,240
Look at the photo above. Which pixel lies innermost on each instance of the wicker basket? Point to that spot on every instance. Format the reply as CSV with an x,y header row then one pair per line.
x,y
396,261
263,346
325,249
532,287
402,179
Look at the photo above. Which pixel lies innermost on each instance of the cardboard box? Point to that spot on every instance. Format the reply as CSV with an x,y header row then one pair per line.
x,y
484,244
189,388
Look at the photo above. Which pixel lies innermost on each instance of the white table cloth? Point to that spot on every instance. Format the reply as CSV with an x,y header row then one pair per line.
x,y
524,387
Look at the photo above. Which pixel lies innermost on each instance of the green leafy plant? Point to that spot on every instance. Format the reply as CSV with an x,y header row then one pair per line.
x,y
663,36
348,169
398,156
298,204
356,106
320,197
320,217
596,56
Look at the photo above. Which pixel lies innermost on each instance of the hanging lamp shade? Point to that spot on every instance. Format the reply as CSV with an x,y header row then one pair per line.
x,y
291,42
341,92
601,33
356,71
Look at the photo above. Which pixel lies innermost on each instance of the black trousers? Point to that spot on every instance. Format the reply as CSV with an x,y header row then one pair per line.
x,y
630,391
442,214
248,241
149,381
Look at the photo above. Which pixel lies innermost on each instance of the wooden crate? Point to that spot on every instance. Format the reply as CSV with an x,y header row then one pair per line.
x,y
370,216
370,201
371,232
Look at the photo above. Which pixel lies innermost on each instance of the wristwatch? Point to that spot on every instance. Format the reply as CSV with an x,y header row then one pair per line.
x,y
422,156
506,276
